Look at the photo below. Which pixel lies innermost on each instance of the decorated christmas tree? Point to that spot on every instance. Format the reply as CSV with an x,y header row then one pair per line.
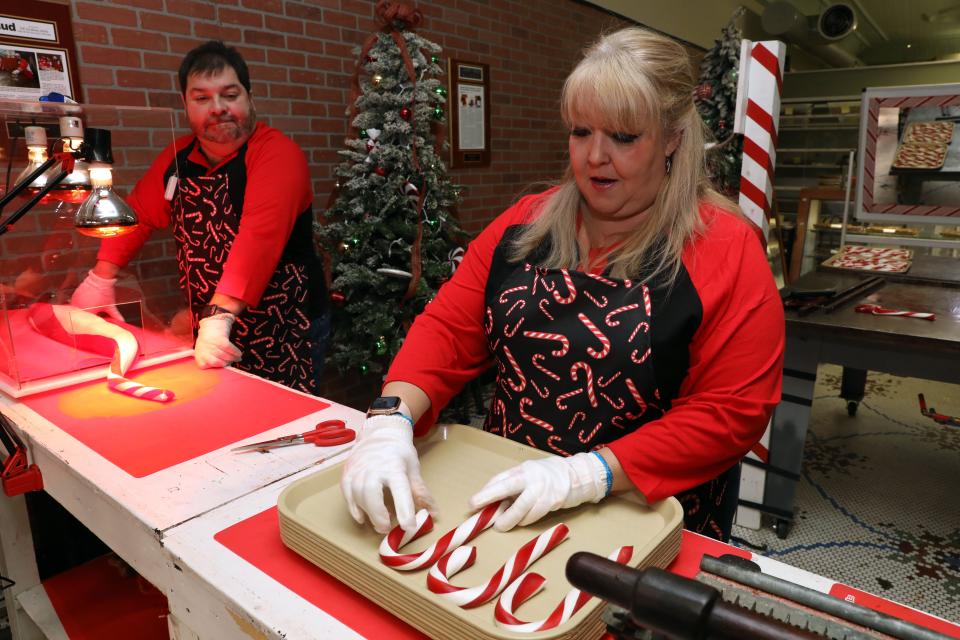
x,y
390,235
716,99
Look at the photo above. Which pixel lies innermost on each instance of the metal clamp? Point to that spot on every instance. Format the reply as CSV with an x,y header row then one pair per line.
x,y
17,475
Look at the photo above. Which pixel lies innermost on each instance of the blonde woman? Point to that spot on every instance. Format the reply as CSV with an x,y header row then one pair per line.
x,y
630,312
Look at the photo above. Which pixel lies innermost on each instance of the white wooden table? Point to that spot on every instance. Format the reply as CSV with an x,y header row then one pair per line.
x,y
133,515
214,593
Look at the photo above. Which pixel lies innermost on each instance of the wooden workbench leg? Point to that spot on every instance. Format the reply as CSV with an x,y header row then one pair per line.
x,y
19,563
789,430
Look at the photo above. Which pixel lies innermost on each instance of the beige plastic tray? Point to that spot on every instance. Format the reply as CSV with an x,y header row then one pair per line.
x,y
456,461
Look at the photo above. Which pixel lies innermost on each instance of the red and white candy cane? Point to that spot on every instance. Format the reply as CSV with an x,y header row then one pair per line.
x,y
588,383
528,585
559,337
89,332
599,335
397,538
877,310
571,290
134,389
627,307
438,580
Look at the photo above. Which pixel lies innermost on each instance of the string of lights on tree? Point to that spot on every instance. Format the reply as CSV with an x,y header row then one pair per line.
x,y
390,235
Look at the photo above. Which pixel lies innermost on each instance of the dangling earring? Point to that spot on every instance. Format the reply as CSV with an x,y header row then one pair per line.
x,y
669,164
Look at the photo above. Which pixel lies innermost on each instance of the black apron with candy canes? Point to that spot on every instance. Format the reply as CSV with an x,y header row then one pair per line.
x,y
275,335
575,369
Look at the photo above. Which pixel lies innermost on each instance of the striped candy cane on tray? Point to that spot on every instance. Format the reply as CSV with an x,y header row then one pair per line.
x,y
397,538
438,580
527,585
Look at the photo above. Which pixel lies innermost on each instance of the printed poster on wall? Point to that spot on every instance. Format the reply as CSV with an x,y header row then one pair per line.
x,y
471,122
34,53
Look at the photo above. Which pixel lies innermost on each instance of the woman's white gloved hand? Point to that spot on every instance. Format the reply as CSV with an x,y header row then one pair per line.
x,y
97,295
384,458
213,347
542,486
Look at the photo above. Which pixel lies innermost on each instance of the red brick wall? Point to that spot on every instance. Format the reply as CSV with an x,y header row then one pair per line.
x,y
300,57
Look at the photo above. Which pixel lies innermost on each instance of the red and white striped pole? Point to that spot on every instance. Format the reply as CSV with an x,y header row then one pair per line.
x,y
757,117
759,83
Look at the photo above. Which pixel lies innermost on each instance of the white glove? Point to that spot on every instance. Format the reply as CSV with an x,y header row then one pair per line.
x,y
97,295
542,486
384,458
213,347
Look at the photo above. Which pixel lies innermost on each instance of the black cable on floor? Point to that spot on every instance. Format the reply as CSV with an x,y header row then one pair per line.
x,y
742,542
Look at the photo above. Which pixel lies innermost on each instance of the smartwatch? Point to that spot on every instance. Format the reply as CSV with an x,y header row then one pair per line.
x,y
208,310
388,406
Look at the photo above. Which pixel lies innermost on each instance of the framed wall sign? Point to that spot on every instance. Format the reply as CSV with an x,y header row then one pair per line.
x,y
37,51
469,108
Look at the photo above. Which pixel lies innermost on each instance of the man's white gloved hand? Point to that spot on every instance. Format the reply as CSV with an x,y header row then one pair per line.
x,y
384,458
97,295
542,486
213,347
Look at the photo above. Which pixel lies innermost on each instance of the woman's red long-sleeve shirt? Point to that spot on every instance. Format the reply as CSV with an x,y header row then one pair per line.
x,y
717,350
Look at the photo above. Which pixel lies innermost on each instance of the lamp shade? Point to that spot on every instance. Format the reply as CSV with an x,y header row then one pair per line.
x,y
103,214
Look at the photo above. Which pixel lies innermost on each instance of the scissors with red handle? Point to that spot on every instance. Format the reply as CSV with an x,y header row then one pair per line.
x,y
328,433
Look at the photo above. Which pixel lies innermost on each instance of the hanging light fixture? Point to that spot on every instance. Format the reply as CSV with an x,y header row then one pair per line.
x,y
103,214
76,186
36,139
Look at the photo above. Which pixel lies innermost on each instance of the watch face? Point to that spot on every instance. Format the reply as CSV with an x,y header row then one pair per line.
x,y
385,403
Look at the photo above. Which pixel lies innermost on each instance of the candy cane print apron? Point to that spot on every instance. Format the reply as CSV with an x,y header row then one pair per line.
x,y
575,372
274,335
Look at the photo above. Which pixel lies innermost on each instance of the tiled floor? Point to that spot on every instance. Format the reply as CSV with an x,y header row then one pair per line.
x,y
878,505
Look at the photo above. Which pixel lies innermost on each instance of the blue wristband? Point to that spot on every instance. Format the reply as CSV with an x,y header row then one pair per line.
x,y
608,472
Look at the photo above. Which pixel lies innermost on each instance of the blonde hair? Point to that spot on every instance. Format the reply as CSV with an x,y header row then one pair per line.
x,y
629,81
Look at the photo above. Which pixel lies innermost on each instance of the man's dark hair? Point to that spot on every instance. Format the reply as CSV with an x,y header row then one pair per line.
x,y
209,58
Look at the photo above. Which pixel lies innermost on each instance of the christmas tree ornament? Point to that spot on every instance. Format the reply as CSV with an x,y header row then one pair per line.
x,y
438,113
405,113
440,91
381,346
380,171
364,368
435,59
376,79
363,134
455,257
410,190
337,298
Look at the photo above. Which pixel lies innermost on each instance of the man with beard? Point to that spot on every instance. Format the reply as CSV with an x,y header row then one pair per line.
x,y
237,193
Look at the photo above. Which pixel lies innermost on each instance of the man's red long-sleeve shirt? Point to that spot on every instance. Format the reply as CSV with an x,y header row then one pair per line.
x,y
276,193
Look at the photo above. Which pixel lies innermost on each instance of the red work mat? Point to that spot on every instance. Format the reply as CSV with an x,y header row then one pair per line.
x,y
105,599
212,409
257,540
